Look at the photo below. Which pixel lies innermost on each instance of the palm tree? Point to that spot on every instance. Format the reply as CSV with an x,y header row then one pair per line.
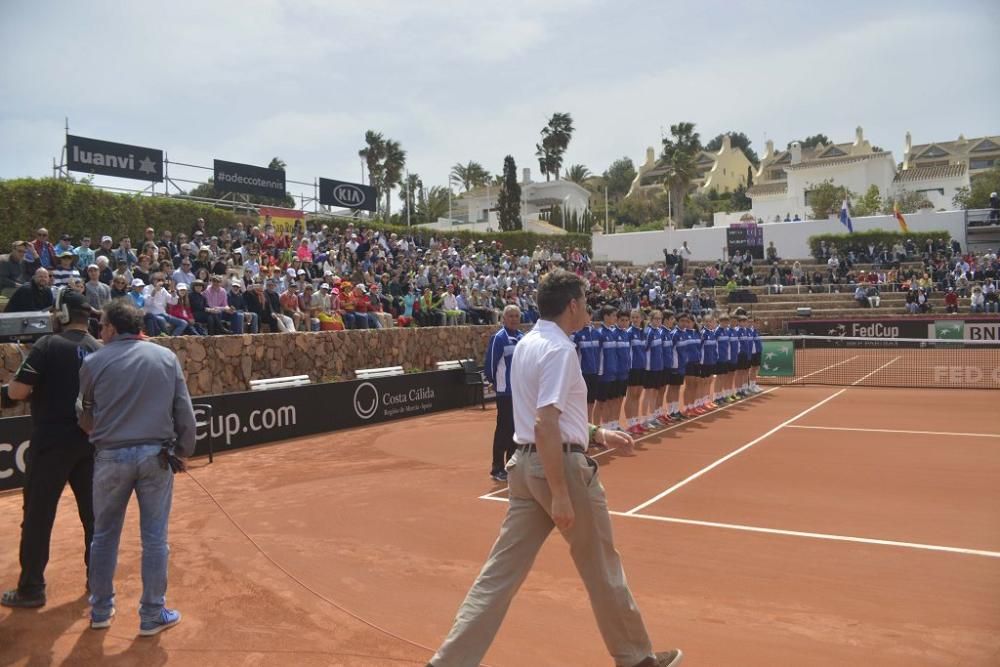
x,y
469,175
410,193
373,154
578,173
560,132
435,205
679,156
395,162
277,164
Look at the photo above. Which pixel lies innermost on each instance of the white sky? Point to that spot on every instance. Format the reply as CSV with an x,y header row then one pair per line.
x,y
455,81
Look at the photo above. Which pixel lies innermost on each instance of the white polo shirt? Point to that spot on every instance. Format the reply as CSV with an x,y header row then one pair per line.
x,y
545,370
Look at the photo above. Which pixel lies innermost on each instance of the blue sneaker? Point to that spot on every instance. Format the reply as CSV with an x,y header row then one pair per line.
x,y
168,619
101,621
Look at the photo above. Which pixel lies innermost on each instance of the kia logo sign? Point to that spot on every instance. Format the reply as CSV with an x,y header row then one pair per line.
x,y
346,195
366,400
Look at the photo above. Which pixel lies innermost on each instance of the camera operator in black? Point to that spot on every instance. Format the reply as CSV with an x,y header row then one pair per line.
x,y
59,452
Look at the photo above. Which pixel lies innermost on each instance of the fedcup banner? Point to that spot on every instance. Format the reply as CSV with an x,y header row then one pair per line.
x,y
232,421
249,179
94,156
342,194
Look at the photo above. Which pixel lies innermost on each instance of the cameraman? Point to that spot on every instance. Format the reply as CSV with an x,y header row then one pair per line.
x,y
60,450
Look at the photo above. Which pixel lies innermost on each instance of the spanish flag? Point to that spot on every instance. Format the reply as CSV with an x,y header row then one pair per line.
x,y
900,218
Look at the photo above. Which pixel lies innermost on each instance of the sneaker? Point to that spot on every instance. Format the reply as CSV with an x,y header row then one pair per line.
x,y
12,598
499,476
653,425
664,419
670,658
168,619
100,622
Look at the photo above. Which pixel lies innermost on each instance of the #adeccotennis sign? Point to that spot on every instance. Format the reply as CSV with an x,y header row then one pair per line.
x,y
777,359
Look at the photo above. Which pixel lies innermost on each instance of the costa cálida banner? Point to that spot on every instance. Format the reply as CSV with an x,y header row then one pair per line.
x,y
346,195
249,179
107,158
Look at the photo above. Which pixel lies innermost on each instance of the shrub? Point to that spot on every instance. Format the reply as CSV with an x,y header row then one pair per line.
x,y
860,240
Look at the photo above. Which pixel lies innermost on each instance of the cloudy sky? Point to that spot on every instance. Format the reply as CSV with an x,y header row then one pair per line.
x,y
455,81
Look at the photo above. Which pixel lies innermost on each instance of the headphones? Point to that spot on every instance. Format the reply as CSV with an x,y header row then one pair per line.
x,y
62,311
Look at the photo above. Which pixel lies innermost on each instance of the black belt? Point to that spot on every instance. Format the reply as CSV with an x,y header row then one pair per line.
x,y
567,448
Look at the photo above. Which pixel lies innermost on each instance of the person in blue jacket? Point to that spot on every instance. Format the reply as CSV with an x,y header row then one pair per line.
x,y
654,380
607,370
499,354
635,337
588,349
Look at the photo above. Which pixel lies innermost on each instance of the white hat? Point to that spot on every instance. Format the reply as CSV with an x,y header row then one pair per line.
x,y
105,238
301,272
290,272
137,282
237,282
324,286
182,287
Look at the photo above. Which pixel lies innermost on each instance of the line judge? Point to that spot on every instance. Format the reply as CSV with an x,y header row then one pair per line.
x,y
553,484
499,353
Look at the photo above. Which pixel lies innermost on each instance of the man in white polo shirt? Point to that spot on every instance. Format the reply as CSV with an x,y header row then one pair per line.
x,y
553,484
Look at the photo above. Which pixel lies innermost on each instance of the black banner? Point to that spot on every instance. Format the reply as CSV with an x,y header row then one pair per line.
x,y
873,328
249,418
346,195
746,238
94,156
250,179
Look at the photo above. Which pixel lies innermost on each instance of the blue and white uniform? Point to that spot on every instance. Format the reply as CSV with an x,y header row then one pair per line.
x,y
498,358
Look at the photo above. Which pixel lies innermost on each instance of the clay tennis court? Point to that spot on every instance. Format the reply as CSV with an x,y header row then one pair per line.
x,y
810,525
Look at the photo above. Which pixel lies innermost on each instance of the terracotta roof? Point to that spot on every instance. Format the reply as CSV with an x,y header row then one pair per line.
x,y
928,173
765,189
847,159
956,146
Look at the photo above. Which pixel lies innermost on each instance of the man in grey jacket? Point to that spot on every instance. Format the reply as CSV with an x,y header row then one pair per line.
x,y
134,403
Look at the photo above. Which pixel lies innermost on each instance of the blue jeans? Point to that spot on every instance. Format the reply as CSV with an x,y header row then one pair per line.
x,y
117,473
179,325
238,322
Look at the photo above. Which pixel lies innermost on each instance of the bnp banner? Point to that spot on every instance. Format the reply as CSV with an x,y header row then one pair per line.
x,y
107,158
346,195
777,359
249,179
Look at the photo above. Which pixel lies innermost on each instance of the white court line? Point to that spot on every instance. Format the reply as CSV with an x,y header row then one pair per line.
x,y
889,430
839,363
799,533
489,496
815,536
860,380
732,454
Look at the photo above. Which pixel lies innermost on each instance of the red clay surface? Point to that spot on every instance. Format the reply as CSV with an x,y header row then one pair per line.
x,y
387,522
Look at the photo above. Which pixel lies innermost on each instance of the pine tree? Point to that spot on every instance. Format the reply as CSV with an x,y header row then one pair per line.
x,y
509,199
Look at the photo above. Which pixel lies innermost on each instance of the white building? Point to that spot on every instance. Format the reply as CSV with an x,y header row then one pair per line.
x,y
480,204
784,180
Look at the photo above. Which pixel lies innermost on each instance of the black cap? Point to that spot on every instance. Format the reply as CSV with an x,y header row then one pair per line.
x,y
74,301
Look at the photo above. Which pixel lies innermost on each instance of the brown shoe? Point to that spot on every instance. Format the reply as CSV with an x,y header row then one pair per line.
x,y
670,658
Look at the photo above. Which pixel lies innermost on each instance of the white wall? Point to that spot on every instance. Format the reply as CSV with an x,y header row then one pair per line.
x,y
790,238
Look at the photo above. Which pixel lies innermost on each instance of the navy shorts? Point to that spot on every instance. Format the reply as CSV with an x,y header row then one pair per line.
x,y
755,360
650,379
622,387
743,363
722,367
707,370
591,381
605,390
635,377
675,378
693,370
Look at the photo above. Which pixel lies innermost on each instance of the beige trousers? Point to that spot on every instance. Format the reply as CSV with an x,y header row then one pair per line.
x,y
524,529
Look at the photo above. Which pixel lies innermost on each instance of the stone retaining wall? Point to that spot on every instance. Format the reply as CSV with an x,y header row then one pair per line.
x,y
226,364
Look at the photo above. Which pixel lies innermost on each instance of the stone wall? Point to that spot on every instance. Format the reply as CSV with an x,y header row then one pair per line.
x,y
226,364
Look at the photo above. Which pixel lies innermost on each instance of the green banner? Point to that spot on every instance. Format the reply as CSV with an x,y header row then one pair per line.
x,y
949,329
777,359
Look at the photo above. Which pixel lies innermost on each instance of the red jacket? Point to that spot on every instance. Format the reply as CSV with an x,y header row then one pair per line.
x,y
951,299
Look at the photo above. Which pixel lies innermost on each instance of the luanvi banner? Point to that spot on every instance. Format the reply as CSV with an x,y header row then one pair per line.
x,y
93,156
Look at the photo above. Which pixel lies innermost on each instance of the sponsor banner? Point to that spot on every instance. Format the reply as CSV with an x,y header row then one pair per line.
x,y
249,179
965,330
745,237
887,328
342,194
238,420
777,359
107,158
282,219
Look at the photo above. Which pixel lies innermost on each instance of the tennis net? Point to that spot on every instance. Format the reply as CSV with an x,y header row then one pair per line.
x,y
880,362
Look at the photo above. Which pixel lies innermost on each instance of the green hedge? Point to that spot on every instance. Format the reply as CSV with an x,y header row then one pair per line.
x,y
68,208
79,209
860,240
